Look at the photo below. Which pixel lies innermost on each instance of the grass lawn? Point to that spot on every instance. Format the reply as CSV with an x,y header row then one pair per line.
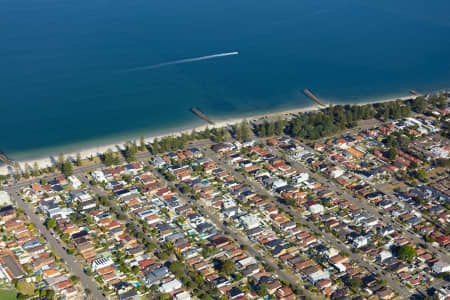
x,y
7,294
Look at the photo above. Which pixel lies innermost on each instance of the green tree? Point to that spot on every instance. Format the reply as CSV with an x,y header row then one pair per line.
x,y
51,223
442,102
177,268
78,160
355,284
392,154
25,288
142,144
164,296
186,189
262,290
406,252
387,114
206,297
413,165
60,161
130,152
421,175
21,297
110,158
26,173
270,128
242,131
419,104
228,267
17,172
52,168
51,294
279,126
35,171
67,168
135,269
261,129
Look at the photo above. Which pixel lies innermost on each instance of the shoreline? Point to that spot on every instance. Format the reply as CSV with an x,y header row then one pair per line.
x,y
46,161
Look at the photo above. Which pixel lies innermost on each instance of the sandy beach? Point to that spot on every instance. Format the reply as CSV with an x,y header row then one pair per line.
x,y
44,162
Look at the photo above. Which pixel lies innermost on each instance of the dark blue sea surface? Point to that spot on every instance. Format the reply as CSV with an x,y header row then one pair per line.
x,y
63,79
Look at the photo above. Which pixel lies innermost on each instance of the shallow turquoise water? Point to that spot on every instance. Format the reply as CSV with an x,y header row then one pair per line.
x,y
62,83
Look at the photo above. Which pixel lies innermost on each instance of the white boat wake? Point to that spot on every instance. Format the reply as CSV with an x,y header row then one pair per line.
x,y
182,61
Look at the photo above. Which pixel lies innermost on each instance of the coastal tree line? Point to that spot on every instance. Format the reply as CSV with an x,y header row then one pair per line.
x,y
331,120
270,128
312,125
65,166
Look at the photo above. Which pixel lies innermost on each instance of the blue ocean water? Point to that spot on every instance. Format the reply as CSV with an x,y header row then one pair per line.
x,y
62,83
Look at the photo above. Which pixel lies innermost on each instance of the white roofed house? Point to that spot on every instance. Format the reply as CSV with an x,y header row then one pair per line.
x,y
243,263
316,208
101,262
98,176
337,172
385,230
383,255
300,178
318,275
360,241
441,267
278,183
250,221
74,182
183,296
87,205
158,161
4,198
61,212
170,286
439,152
249,143
370,222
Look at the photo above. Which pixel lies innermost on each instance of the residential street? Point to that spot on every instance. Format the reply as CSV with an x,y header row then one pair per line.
x,y
100,192
361,203
71,262
327,236
284,275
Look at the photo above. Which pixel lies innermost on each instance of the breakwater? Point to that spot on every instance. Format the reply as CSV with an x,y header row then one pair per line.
x,y
202,116
313,97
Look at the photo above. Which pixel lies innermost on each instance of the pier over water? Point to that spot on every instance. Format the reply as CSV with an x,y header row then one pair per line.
x,y
313,97
202,116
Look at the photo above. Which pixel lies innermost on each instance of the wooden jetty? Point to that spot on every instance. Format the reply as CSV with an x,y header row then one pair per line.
x,y
5,159
313,97
202,116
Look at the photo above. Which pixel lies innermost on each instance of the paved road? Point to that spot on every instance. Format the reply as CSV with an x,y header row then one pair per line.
x,y
258,188
71,262
284,275
363,204
101,192
325,235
